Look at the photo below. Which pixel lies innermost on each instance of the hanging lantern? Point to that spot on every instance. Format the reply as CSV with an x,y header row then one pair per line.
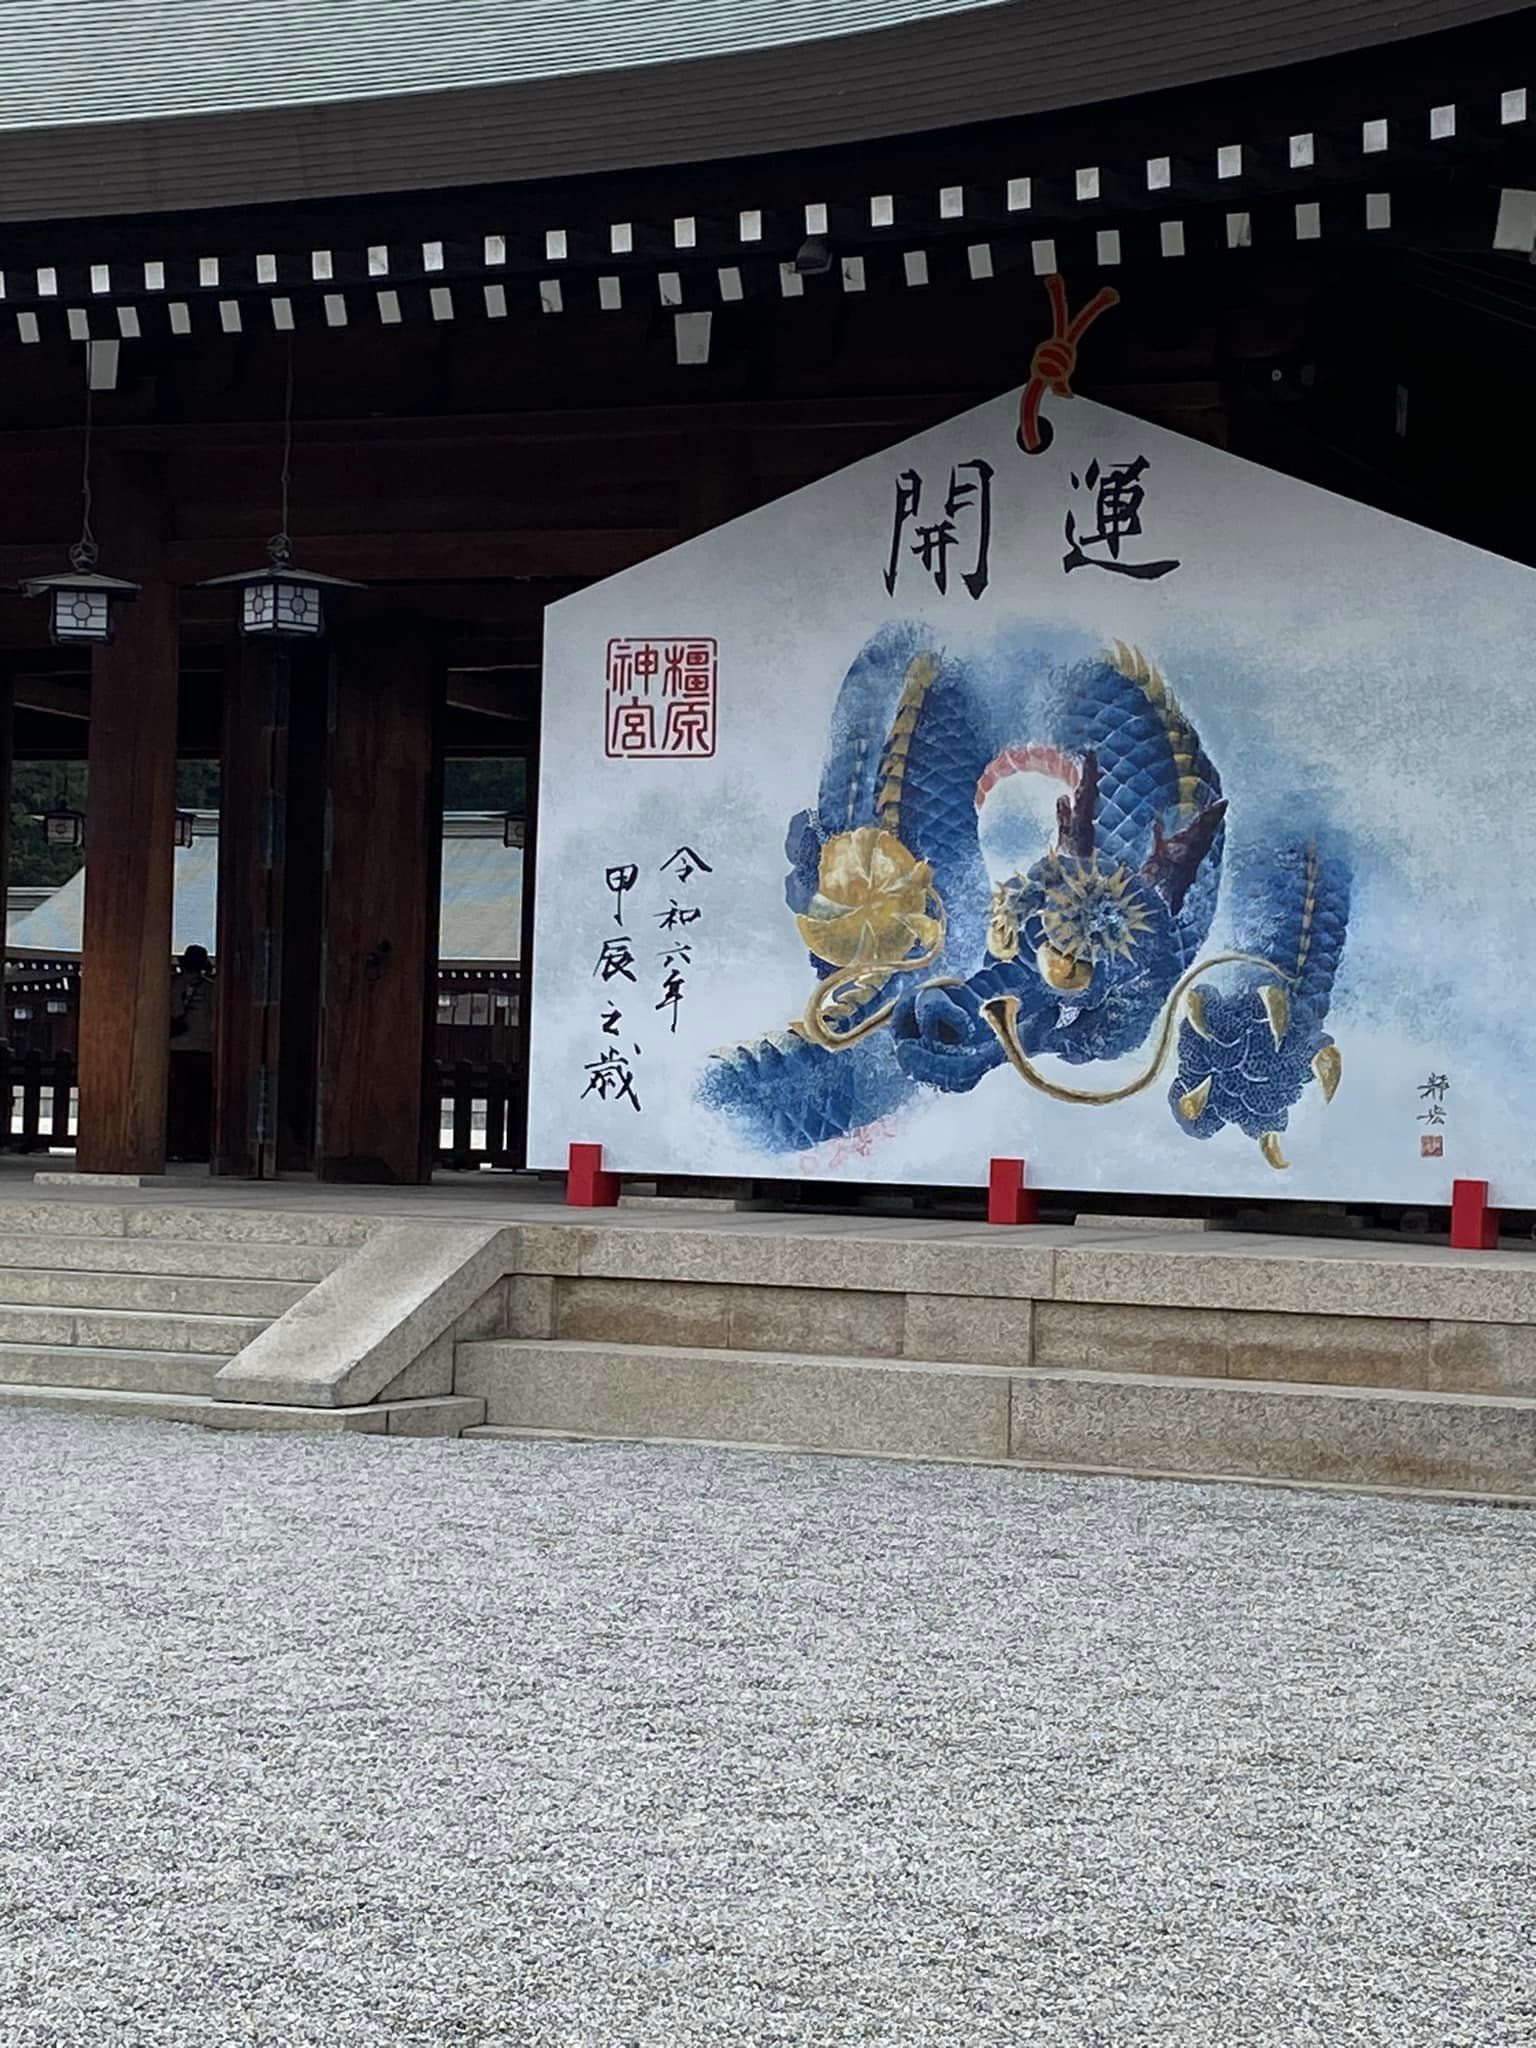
x,y
63,828
184,828
82,600
281,602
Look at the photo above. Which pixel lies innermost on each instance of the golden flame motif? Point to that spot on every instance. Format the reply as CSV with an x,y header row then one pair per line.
x,y
876,914
871,907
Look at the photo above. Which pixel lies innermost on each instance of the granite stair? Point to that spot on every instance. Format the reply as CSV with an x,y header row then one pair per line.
x,y
1224,1358
1152,1424
116,1310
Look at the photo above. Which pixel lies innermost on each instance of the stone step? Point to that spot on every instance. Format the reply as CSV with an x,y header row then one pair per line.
x,y
210,1258
1471,1445
127,1329
646,1390
159,1293
432,1415
81,1366
71,1216
1425,1353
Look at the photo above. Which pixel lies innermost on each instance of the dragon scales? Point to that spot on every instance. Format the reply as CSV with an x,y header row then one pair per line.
x,y
937,960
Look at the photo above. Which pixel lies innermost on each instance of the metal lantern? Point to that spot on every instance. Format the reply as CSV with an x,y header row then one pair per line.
x,y
82,600
514,831
184,829
62,828
281,602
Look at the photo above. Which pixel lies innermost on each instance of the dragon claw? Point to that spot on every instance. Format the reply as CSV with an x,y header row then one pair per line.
x,y
1328,1065
1277,1008
1192,1103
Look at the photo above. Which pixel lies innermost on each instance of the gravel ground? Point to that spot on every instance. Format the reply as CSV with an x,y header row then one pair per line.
x,y
308,1742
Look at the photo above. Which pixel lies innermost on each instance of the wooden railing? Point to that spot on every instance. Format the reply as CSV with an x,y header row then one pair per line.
x,y
479,1115
478,1108
39,1093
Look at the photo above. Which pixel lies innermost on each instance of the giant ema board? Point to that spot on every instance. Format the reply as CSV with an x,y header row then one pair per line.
x,y
1122,806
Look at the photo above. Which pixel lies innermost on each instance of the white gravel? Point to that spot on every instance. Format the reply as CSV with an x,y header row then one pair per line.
x,y
308,1742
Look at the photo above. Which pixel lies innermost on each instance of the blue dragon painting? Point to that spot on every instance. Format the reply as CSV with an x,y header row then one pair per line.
x,y
930,973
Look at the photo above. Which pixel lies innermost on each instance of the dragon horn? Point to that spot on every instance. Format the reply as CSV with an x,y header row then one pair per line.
x,y
1074,814
1173,863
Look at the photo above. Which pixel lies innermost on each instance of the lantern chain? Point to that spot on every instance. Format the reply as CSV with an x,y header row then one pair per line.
x,y
85,554
280,546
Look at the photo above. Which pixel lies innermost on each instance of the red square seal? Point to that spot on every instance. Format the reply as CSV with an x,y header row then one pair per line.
x,y
660,700
1431,1146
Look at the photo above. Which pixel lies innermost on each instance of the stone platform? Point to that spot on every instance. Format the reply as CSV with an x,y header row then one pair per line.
x,y
484,1308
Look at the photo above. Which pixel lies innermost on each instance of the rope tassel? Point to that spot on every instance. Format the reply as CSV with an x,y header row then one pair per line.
x,y
1054,362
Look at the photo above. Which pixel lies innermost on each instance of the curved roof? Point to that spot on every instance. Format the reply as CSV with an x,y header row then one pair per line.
x,y
142,106
77,60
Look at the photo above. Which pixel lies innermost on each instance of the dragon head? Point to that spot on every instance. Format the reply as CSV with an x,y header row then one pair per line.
x,y
1093,941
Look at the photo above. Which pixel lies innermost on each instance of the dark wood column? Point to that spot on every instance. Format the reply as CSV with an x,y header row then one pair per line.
x,y
300,909
125,980
247,805
7,769
270,884
384,850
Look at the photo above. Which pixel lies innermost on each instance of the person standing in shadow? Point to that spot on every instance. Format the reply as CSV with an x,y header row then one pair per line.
x,y
189,1122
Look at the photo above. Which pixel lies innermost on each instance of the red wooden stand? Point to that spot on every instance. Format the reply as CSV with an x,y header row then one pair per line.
x,y
587,1186
1474,1226
1008,1200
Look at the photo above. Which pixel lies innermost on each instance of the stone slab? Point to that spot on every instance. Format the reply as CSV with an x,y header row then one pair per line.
x,y
1483,1358
98,1180
687,1312
897,1259
204,1258
968,1329
441,1417
530,1305
1233,1343
363,1325
449,1417
164,1294
742,1397
128,1372
1326,1278
1155,1225
1262,1429
190,1222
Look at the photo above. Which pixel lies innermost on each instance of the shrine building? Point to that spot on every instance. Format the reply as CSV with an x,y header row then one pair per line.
x,y
340,343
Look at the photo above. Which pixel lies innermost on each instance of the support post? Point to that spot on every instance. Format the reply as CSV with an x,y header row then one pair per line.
x,y
1008,1200
1474,1226
125,979
245,1016
383,865
299,904
587,1186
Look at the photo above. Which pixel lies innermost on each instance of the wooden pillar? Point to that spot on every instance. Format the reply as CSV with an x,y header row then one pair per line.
x,y
125,982
270,880
246,804
300,909
7,768
384,851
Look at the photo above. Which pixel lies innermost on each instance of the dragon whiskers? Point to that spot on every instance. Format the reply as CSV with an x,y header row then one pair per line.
x,y
1001,1013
